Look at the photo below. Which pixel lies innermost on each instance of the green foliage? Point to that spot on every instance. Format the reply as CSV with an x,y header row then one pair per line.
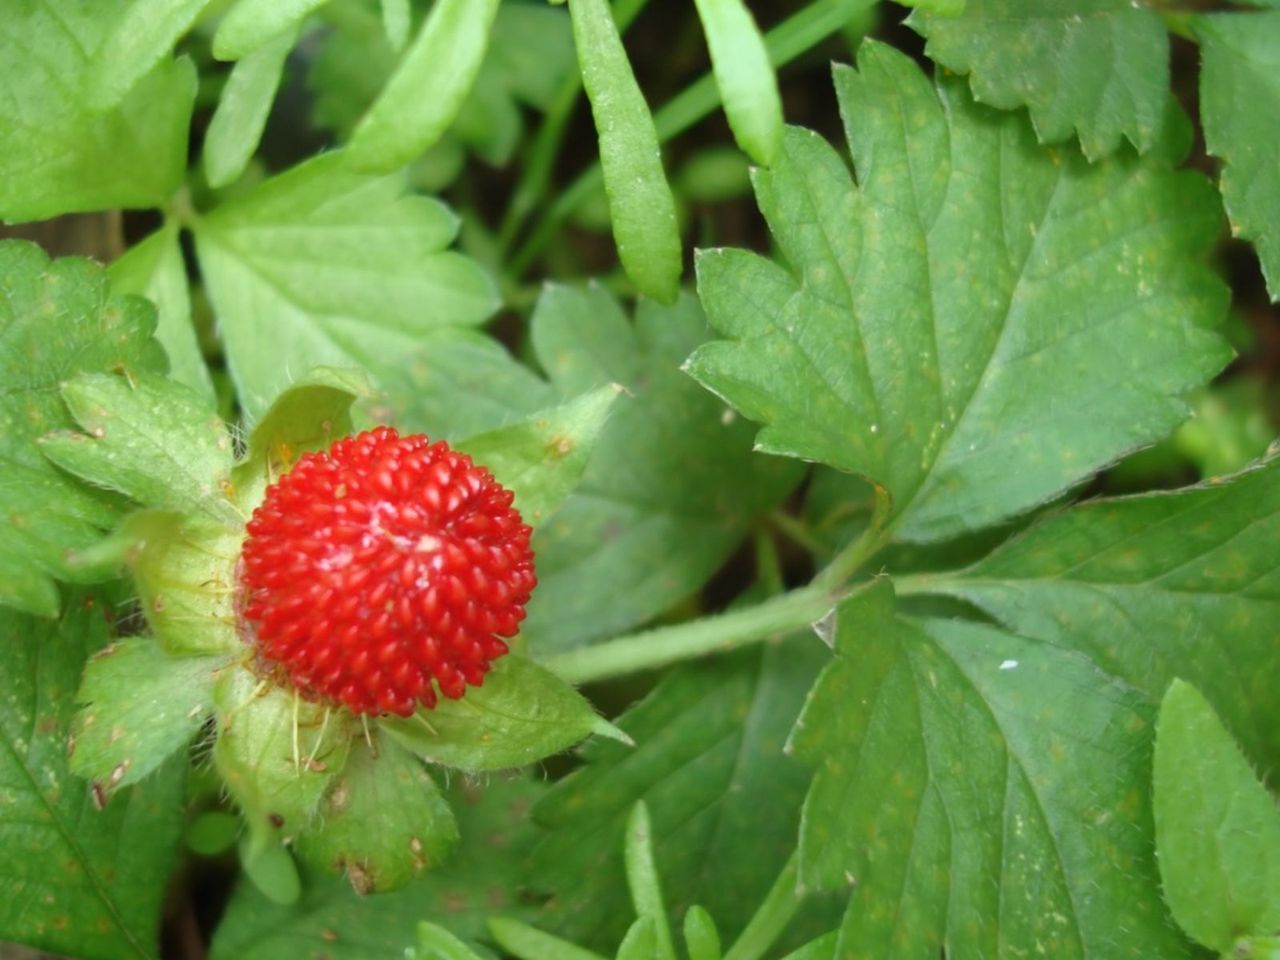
x,y
1059,59
62,155
1217,828
1048,314
66,887
56,320
958,763
925,718
1239,100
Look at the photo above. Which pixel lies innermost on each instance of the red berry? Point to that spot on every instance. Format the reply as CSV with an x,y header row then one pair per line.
x,y
382,564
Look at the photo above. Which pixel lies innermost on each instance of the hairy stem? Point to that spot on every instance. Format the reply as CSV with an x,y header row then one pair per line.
x,y
663,646
784,42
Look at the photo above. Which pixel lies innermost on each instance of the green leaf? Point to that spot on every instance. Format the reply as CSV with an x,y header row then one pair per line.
x,y
1217,828
444,59
641,206
422,390
1240,107
1183,584
61,157
1098,68
521,715
252,24
437,942
277,754
396,15
326,267
724,799
237,124
543,458
653,518
980,323
483,876
142,706
156,441
155,269
56,321
143,34
745,77
958,768
383,821
78,880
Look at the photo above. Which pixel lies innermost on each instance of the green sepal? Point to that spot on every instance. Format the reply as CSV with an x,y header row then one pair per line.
x,y
142,705
1217,828
543,458
384,820
521,714
277,753
153,439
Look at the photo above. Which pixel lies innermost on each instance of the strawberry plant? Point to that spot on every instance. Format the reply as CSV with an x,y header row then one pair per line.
x,y
453,509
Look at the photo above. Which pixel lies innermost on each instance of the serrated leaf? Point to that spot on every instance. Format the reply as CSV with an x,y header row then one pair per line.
x,y
141,706
724,799
383,821
150,438
325,268
641,206
238,122
653,518
980,323
444,58
1181,584
155,269
967,775
277,754
60,156
482,877
66,886
1239,105
543,458
251,24
141,35
1217,828
522,714
56,320
1098,68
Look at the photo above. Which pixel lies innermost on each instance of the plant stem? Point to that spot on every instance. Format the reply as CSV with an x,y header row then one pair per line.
x,y
546,145
849,560
779,906
784,42
684,641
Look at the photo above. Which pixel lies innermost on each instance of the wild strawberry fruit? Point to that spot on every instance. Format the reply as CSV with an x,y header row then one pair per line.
x,y
383,564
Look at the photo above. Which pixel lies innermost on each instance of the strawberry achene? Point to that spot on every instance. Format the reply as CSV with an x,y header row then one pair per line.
x,y
382,565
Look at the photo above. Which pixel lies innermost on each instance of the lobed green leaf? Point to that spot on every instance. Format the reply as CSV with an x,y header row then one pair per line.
x,y
974,788
141,35
59,155
238,122
57,320
331,268
1096,68
980,323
